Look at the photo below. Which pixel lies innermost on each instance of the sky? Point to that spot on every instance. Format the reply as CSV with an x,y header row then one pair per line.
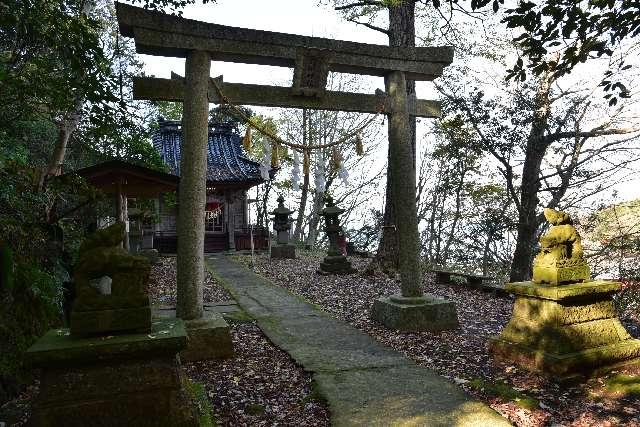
x,y
304,17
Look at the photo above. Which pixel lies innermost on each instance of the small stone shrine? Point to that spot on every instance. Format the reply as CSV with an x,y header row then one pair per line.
x,y
282,226
111,287
335,262
564,324
115,366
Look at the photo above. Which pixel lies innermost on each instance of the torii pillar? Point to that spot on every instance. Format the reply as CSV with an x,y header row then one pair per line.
x,y
193,186
412,310
209,335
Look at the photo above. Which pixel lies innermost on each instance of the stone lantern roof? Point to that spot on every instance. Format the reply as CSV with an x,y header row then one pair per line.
x,y
331,209
281,209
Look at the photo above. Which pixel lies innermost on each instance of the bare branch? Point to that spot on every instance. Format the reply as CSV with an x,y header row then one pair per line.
x,y
360,4
371,26
591,134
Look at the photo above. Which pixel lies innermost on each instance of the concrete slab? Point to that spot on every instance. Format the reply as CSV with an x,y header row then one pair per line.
x,y
399,396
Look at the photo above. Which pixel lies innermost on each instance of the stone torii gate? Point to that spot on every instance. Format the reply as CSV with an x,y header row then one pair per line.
x,y
312,58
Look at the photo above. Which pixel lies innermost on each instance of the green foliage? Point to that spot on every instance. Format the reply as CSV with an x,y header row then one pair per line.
x,y
261,142
169,110
170,200
577,29
39,39
42,240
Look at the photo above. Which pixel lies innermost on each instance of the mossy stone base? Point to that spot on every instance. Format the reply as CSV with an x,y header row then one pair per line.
x,y
336,264
283,251
132,380
565,330
85,323
426,313
208,337
555,275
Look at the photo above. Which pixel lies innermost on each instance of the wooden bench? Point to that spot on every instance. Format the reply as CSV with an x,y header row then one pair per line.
x,y
484,283
444,276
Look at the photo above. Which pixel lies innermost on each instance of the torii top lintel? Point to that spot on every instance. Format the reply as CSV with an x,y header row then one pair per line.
x,y
160,34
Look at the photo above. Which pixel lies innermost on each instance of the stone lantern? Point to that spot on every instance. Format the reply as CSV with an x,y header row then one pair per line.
x,y
563,323
282,227
335,262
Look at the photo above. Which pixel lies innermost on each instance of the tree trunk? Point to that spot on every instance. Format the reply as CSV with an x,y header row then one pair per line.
x,y
401,33
314,219
456,216
528,221
193,189
297,233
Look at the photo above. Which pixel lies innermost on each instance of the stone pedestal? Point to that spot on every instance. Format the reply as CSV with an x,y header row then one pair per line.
x,y
208,337
335,264
565,330
283,251
407,314
132,380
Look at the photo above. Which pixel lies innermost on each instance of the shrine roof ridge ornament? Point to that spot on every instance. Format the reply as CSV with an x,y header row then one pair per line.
x,y
156,33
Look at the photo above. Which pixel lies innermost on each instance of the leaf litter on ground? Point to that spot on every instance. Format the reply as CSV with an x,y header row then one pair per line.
x,y
461,355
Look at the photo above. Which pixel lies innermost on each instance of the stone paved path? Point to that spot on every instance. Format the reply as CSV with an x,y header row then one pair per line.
x,y
364,382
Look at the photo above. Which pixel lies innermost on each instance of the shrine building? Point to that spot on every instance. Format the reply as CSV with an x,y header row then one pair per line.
x,y
230,174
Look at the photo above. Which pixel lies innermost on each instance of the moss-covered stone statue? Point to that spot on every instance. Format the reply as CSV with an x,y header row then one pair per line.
x,y
563,323
561,258
114,366
111,286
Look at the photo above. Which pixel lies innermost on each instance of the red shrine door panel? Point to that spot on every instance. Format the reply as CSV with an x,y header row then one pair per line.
x,y
214,217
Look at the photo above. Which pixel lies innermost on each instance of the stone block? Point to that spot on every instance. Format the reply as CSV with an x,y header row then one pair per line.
x,y
93,322
561,367
565,330
283,251
208,338
58,347
426,313
597,289
132,380
337,264
555,275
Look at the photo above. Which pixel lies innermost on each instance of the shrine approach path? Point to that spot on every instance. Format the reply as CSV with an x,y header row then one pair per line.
x,y
364,382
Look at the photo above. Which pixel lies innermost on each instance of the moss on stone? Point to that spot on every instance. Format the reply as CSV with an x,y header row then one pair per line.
x,y
625,385
505,391
239,316
315,395
198,396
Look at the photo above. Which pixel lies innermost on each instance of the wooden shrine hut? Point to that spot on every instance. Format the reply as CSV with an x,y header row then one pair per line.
x,y
230,174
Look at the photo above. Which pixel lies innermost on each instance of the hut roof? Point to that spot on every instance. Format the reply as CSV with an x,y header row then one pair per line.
x,y
227,164
134,180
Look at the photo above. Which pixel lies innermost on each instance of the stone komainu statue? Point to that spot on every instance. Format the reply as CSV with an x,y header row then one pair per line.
x,y
561,257
111,287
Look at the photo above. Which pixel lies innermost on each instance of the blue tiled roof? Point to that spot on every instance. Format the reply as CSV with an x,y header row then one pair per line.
x,y
226,159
